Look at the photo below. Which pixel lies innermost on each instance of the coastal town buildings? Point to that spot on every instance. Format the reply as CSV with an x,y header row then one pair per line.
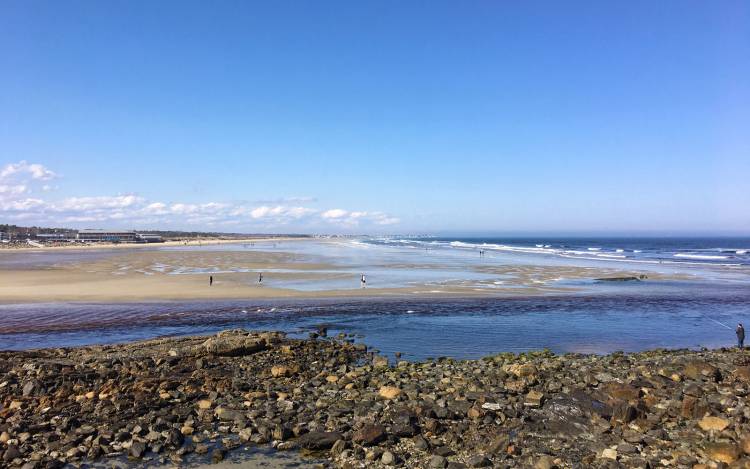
x,y
112,236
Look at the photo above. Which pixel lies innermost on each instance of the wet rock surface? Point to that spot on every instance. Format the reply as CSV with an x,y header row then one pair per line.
x,y
166,400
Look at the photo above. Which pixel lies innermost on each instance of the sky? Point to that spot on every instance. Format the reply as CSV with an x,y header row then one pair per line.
x,y
377,117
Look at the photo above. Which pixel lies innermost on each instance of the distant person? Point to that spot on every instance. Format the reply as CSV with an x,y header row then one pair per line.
x,y
260,277
363,281
210,280
740,331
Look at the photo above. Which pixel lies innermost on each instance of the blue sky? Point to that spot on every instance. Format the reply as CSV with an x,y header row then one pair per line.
x,y
377,117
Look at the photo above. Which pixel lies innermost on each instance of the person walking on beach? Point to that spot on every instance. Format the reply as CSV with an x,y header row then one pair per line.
x,y
740,331
210,280
260,277
363,281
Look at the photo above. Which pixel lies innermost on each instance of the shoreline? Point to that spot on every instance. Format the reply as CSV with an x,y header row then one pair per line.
x,y
102,274
205,398
172,243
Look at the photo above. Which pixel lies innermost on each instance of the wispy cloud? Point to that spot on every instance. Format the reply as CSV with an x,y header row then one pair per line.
x,y
35,170
18,181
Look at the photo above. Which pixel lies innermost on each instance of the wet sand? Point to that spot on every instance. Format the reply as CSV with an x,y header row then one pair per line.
x,y
183,274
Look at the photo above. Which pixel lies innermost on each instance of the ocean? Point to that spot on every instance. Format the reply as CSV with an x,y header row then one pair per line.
x,y
697,308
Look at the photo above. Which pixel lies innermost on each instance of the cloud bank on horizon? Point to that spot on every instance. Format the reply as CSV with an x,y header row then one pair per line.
x,y
26,197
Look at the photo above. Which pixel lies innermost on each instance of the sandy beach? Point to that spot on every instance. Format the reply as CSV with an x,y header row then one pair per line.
x,y
127,273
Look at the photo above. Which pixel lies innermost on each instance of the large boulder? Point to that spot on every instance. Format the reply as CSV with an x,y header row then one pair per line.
x,y
234,345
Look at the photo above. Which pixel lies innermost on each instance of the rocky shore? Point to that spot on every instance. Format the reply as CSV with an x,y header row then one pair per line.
x,y
164,401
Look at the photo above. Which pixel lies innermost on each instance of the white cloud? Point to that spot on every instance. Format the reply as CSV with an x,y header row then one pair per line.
x,y
20,205
334,214
280,213
36,171
18,180
96,203
16,189
354,219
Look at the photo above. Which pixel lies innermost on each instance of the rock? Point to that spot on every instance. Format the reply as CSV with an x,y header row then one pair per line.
x,y
389,392
380,362
245,434
281,370
521,370
544,462
722,451
533,399
742,373
625,413
478,460
437,462
137,449
444,451
318,440
28,388
698,369
281,433
420,443
713,424
618,279
499,445
745,442
369,435
205,404
201,448
233,346
529,410
217,455
621,391
338,447
11,453
231,415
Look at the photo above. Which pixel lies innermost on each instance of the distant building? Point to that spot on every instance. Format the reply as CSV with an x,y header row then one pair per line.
x,y
53,236
148,238
110,236
4,236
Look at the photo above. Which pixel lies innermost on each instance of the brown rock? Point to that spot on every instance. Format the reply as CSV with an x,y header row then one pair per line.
x,y
533,399
522,370
697,369
233,345
281,370
369,435
742,373
722,452
389,392
713,424
688,407
379,362
745,442
621,392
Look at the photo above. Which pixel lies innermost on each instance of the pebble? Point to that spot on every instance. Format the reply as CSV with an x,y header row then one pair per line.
x,y
161,400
